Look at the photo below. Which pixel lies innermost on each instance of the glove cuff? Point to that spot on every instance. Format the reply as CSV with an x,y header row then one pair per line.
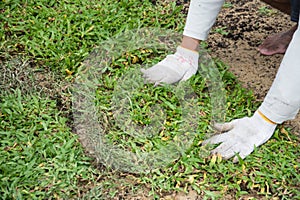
x,y
187,53
265,118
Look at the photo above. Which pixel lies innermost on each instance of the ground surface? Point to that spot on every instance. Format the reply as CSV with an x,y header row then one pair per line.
x,y
248,23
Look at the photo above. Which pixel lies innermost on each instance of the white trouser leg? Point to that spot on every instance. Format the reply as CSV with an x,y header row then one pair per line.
x,y
201,17
283,99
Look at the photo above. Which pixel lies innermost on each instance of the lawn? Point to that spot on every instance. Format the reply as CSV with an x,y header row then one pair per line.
x,y
45,50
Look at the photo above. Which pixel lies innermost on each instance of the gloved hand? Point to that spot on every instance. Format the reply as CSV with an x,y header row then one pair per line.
x,y
176,67
241,135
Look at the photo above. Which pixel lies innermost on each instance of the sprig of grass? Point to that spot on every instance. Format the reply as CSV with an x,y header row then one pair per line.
x,y
265,10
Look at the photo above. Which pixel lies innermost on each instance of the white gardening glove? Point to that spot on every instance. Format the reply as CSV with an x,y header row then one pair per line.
x,y
176,67
242,135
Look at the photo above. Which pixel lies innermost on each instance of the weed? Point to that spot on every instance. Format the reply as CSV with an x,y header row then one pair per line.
x,y
265,10
227,5
221,31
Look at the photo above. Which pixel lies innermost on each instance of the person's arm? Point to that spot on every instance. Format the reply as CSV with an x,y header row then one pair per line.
x,y
281,103
283,99
201,17
183,64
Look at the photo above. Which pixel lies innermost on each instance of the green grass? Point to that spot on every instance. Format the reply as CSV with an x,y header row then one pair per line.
x,y
40,155
61,33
